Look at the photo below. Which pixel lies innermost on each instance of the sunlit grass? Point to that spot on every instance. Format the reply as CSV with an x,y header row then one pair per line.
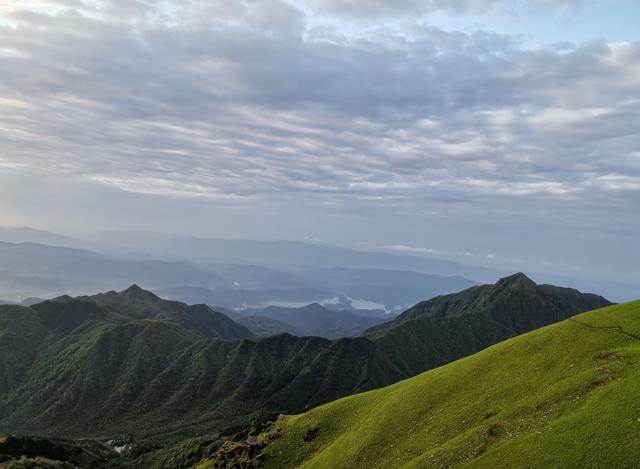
x,y
562,396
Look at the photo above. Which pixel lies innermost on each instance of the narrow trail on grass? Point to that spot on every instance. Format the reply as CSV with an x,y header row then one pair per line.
x,y
615,328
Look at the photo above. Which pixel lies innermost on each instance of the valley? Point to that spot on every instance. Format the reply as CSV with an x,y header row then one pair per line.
x,y
319,234
131,363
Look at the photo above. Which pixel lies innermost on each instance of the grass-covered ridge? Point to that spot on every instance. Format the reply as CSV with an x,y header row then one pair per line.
x,y
564,396
132,363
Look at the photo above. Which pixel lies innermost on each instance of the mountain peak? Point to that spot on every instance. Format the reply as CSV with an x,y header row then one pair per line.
x,y
516,280
134,291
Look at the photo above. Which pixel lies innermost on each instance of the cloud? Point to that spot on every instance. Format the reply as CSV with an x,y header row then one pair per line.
x,y
236,102
434,252
381,8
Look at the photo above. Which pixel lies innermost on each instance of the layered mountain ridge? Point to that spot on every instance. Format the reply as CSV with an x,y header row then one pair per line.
x,y
131,362
448,327
315,319
563,396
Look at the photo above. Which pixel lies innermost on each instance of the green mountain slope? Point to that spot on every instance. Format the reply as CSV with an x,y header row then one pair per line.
x,y
511,297
129,362
449,327
564,396
135,303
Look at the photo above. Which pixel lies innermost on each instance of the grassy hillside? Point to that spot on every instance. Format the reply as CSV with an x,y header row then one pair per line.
x,y
564,396
448,327
132,363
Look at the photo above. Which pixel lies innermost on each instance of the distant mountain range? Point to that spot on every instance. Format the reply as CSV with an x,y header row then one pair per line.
x,y
315,320
241,298
26,302
383,286
31,235
39,270
29,269
133,363
220,264
279,254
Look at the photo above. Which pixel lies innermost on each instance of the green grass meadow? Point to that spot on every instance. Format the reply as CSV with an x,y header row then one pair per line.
x,y
564,396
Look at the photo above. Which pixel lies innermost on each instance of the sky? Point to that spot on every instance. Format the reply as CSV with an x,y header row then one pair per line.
x,y
496,132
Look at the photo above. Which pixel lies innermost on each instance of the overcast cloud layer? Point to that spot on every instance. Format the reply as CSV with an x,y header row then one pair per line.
x,y
403,8
263,104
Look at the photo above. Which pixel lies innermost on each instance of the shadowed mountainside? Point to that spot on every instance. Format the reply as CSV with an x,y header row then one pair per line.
x,y
131,362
